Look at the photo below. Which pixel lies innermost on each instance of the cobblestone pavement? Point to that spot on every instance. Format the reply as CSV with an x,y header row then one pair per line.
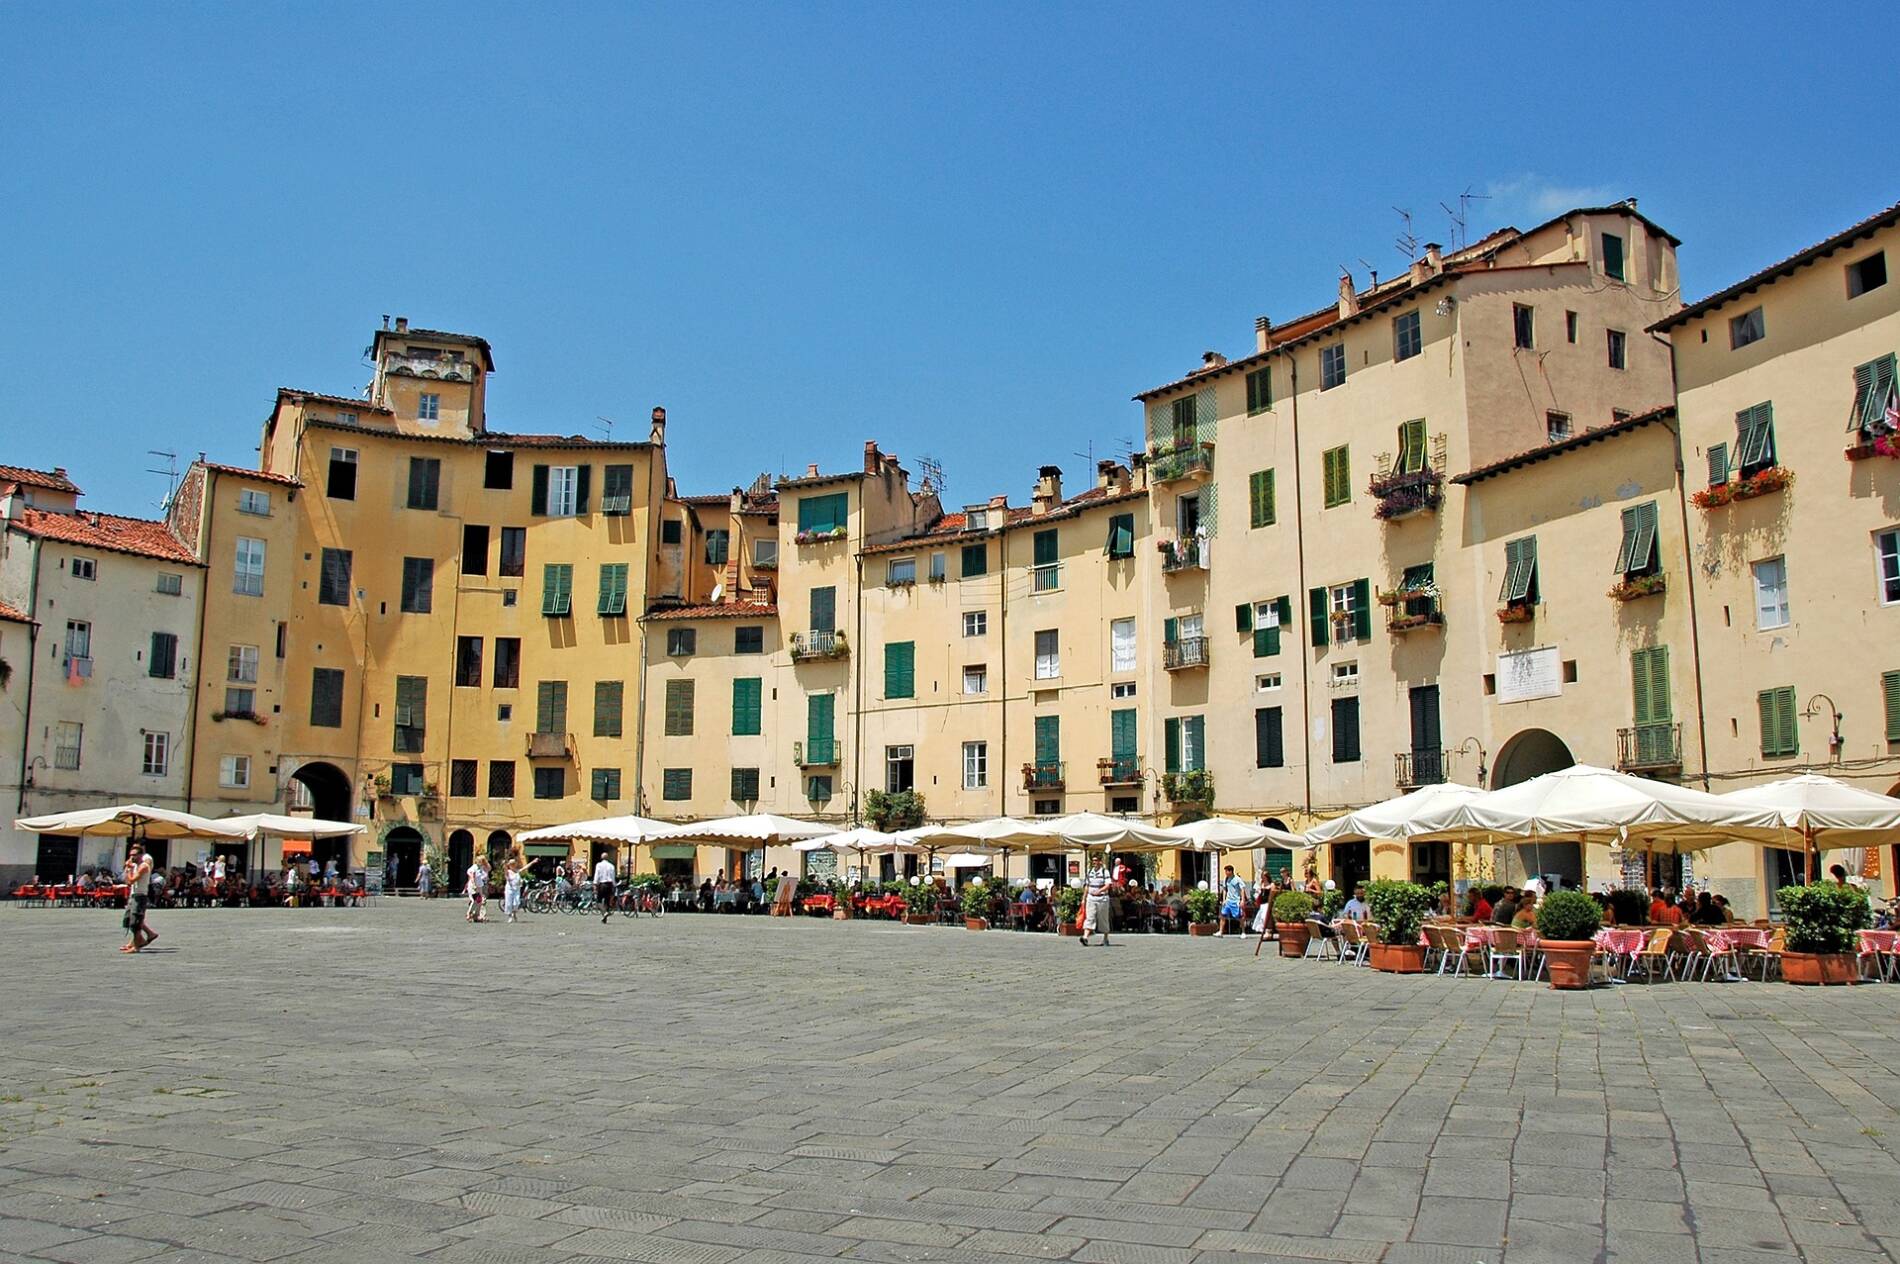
x,y
390,1083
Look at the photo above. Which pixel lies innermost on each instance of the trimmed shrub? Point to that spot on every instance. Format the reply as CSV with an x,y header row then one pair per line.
x,y
1824,917
1568,915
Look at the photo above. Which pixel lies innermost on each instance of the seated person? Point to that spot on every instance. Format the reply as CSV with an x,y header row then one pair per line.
x,y
1357,908
1504,912
1659,907
1526,917
1707,912
1477,907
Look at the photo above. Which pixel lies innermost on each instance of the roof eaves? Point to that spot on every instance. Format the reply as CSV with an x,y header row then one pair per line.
x,y
1535,455
817,480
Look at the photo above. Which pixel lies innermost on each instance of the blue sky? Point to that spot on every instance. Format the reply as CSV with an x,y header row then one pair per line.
x,y
970,231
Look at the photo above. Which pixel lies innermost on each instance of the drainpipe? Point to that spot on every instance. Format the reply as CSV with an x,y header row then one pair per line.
x,y
1299,551
32,670
857,672
1002,672
206,507
1695,621
646,591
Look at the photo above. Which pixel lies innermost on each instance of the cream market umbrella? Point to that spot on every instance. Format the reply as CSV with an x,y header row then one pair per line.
x,y
307,828
1092,829
1395,818
863,842
761,827
1218,833
1825,812
130,820
606,829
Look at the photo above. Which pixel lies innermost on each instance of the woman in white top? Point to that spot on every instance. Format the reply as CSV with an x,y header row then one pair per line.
x,y
477,892
511,889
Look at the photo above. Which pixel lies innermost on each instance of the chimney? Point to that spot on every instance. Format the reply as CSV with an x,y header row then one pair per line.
x,y
657,435
672,488
1111,476
1434,259
1262,334
402,324
873,459
1348,297
811,471
1048,492
1212,360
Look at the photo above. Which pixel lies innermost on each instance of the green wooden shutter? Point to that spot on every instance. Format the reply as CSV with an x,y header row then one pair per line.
x,y
1362,609
557,589
1045,548
1785,714
1260,509
1316,611
1649,682
538,495
818,716
900,662
1627,549
1266,639
747,709
613,588
1170,630
1411,446
1890,691
1260,390
1778,733
1123,743
1171,729
679,708
976,560
1520,569
1873,385
608,695
550,706
1243,617
1755,436
1194,742
1718,463
1210,510
583,476
1048,739
411,701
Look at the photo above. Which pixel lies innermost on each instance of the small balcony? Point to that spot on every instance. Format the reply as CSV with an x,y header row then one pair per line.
x,y
1194,788
1649,748
822,753
1045,776
1190,554
1419,768
1396,496
78,667
1044,578
1412,612
1119,770
1184,460
431,367
809,646
1184,654
550,745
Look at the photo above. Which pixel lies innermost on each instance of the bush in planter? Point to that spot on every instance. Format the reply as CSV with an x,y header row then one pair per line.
x,y
976,899
1825,917
1201,906
1400,909
1330,902
1568,916
1068,903
1291,906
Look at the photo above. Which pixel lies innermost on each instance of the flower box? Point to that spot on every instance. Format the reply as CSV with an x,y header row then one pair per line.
x,y
1879,445
1760,483
820,536
1636,587
1517,612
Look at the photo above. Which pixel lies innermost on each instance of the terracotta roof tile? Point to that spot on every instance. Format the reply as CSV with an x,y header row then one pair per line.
x,y
949,527
265,476
710,498
724,610
341,401
1548,450
9,615
140,537
53,480
483,439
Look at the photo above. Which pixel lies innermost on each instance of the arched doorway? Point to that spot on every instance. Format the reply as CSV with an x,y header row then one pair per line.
x,y
1533,753
402,846
1275,862
330,800
461,856
498,846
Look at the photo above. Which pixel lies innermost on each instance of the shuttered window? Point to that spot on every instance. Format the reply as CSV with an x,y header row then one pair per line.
x,y
747,706
418,585
1873,390
1755,439
824,609
606,788
613,588
326,698
1613,256
1171,744
1260,507
1045,546
1260,390
425,482
1346,731
818,727
1637,554
412,711
823,513
676,784
1048,739
1520,571
550,706
1649,685
1406,339
1411,458
1121,536
745,785
1779,734
1890,692
162,663
1336,474
1718,464
616,490
679,708
557,589
900,669
333,578
1269,746
609,697
550,783
1193,743
1270,619
1123,734
976,560
1362,609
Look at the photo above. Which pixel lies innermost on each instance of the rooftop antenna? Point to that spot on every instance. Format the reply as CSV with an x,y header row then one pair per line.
x,y
931,470
606,428
1407,241
1460,237
170,474
1373,272
1088,456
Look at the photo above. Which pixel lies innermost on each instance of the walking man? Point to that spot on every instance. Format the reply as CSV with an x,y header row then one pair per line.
x,y
1095,906
477,891
1233,893
604,885
138,893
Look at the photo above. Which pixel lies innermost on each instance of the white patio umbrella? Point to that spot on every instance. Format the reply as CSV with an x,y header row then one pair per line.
x,y
260,825
863,842
130,820
613,829
1219,833
759,827
1092,829
1825,812
1394,818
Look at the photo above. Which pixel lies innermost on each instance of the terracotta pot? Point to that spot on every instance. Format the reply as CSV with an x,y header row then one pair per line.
x,y
1070,929
1813,969
1568,961
1202,928
1398,958
918,919
841,913
976,923
1293,938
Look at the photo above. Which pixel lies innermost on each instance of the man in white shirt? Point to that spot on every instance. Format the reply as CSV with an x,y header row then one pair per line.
x,y
604,885
1357,908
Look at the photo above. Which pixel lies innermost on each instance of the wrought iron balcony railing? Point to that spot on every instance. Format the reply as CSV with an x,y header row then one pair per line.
x,y
1649,747
1186,653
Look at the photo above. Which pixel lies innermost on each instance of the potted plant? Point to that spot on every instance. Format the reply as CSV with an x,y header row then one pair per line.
x,y
917,896
1201,907
1068,903
1761,482
976,905
1567,922
1517,612
1823,925
901,809
1290,911
1635,587
841,910
1400,909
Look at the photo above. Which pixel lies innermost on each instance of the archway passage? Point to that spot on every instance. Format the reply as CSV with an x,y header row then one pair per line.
x,y
403,847
1275,862
498,846
330,799
1533,753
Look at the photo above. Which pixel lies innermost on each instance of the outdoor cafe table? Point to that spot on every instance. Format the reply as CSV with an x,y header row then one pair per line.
x,y
887,905
819,903
1882,946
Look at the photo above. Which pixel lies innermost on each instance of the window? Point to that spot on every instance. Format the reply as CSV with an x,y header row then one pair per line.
x,y
718,546
463,777
1613,256
253,501
1341,613
820,710
1345,675
507,662
1048,807
248,580
501,778
976,765
976,679
670,531
616,492
326,697
333,578
1268,618
613,589
823,515
557,589
1121,536
676,784
1779,736
1260,390
1873,391
234,772
283,639
976,560
1890,693
1749,327
1523,326
474,550
498,473
1260,507
156,760
1185,417
1336,471
900,571
1570,327
405,779
765,555
425,482
608,696
559,491
679,708
938,568
748,706
550,783
1771,593
606,785
1121,645
900,768
824,609
418,585
1346,730
682,642
341,483
241,664
1267,682
162,662
1185,741
1520,572
1637,554
1866,274
745,785
79,645
1755,439
1619,346
550,707
975,622
170,585
1411,458
468,662
412,713
900,669
1048,655
514,552
1332,366
1122,689
748,640
1556,427
1406,340
818,789
1269,745
1047,571
428,406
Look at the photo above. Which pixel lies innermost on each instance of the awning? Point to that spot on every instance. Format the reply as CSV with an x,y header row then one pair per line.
x,y
296,847
545,849
674,851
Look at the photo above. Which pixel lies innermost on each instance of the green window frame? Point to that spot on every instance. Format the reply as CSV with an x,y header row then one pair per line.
x,y
1755,438
1261,511
412,713
1718,464
550,706
1266,637
1121,536
1520,571
676,784
1336,472
1048,740
1260,390
1890,694
609,707
1637,554
1411,458
1873,387
679,708
1779,734
606,785
823,513
557,589
900,669
820,712
748,710
613,588
976,560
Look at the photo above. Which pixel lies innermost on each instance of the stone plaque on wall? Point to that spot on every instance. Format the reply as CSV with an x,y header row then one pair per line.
x,y
1527,674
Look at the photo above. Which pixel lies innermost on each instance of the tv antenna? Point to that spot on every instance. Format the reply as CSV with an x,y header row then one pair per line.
x,y
1373,273
606,427
1407,241
931,470
1460,236
169,473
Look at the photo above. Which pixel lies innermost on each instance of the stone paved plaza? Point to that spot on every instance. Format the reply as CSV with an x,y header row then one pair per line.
x,y
390,1083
